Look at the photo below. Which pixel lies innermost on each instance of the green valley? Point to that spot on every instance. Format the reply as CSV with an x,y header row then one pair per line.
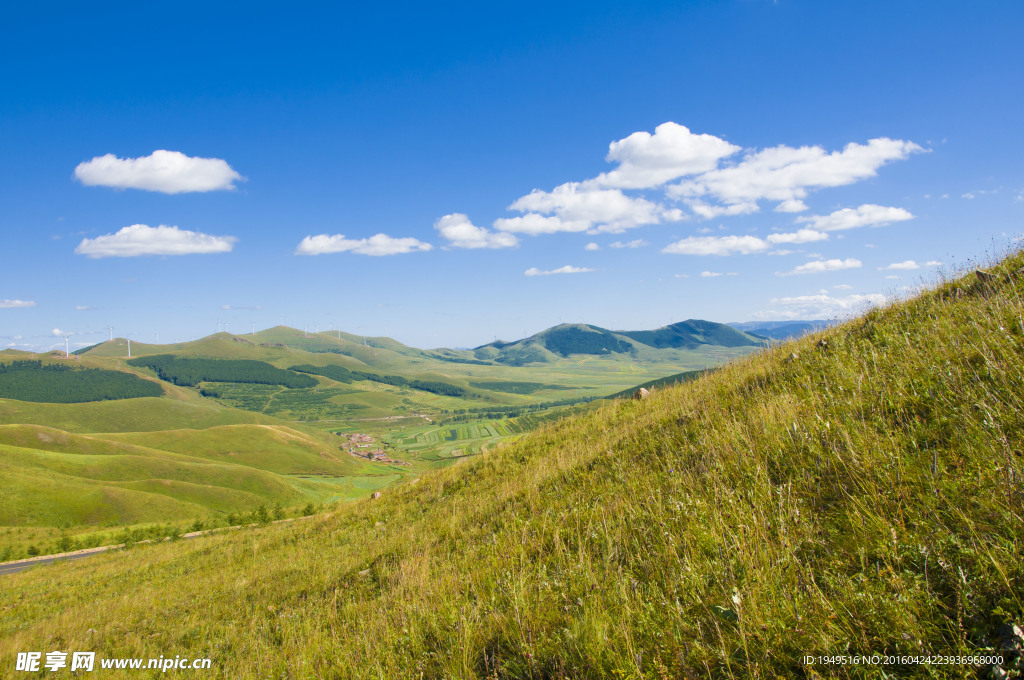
x,y
208,432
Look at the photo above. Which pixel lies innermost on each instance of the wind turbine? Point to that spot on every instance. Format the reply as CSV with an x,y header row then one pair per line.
x,y
111,329
67,354
253,328
129,347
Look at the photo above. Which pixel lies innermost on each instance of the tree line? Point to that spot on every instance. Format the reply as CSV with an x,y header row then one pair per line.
x,y
190,371
344,375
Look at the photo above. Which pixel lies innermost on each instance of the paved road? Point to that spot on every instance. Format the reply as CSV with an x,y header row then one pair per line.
x,y
12,567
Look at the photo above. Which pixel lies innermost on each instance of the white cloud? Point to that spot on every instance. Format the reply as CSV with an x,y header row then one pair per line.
x,y
906,264
819,306
716,245
457,229
786,174
573,207
819,266
892,276
83,308
707,211
647,160
843,286
533,224
58,332
567,269
867,215
710,275
791,206
801,236
638,243
16,304
140,239
980,192
379,244
591,246
681,276
169,172
933,263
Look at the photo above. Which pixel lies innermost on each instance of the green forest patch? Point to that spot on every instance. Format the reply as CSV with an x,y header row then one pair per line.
x,y
61,384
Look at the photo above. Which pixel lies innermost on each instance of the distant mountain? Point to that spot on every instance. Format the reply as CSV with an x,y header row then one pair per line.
x,y
693,333
567,339
354,352
782,330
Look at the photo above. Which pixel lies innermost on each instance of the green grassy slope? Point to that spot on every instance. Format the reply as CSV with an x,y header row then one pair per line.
x,y
276,449
862,497
128,415
54,478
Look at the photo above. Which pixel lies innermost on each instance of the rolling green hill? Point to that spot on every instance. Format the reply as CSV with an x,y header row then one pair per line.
x,y
859,496
569,339
58,478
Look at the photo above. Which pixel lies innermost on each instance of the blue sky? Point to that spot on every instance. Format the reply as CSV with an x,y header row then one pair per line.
x,y
452,173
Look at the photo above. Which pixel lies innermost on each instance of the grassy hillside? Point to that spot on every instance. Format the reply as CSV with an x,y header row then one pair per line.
x,y
859,497
128,415
58,479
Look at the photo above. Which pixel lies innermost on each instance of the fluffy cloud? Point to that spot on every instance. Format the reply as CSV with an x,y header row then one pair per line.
x,y
710,275
638,243
457,229
16,304
716,245
707,211
906,264
591,246
573,207
819,306
169,172
819,266
791,206
867,215
647,160
706,180
567,269
800,236
379,244
532,224
786,174
140,239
